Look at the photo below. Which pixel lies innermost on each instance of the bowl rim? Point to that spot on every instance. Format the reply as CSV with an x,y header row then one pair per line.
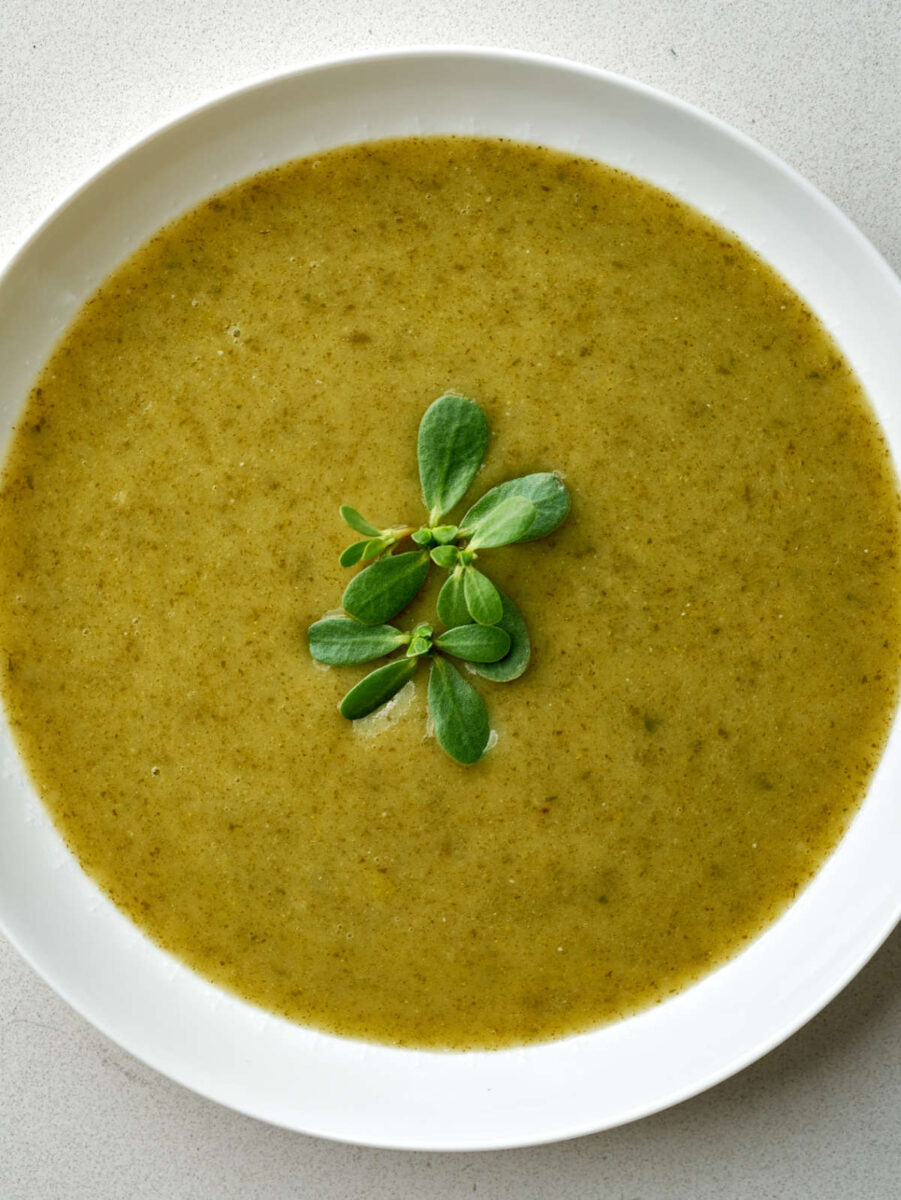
x,y
186,112
878,933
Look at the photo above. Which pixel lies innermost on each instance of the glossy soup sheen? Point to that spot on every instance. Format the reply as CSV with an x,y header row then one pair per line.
x,y
715,628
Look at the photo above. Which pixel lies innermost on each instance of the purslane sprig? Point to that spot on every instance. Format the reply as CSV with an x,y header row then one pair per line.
x,y
340,641
484,627
451,445
376,542
458,712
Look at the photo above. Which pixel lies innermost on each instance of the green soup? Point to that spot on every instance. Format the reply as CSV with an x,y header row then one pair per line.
x,y
715,628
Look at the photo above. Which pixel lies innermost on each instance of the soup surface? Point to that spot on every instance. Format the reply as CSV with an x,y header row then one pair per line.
x,y
715,628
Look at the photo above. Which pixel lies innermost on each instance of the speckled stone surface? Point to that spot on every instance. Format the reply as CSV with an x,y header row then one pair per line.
x,y
818,83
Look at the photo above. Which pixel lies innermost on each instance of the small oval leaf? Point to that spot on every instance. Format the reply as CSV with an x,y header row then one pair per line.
x,y
357,522
453,439
339,641
502,524
452,608
380,592
475,643
374,547
354,552
517,659
377,688
483,600
445,556
547,493
459,713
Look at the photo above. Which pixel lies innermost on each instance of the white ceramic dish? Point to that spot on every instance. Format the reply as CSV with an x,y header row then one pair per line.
x,y
350,1090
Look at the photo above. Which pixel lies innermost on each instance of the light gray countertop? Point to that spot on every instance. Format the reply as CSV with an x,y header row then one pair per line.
x,y
817,83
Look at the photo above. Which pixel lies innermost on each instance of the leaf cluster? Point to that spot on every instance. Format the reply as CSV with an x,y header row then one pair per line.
x,y
458,712
483,626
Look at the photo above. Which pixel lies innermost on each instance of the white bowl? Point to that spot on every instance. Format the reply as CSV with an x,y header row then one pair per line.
x,y
340,1088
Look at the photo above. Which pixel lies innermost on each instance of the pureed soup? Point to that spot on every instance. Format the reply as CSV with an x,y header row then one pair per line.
x,y
715,628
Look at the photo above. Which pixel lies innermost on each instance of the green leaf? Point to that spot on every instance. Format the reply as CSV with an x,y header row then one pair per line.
x,y
502,524
443,534
423,537
352,555
445,556
421,642
380,592
547,493
452,608
515,662
483,600
374,547
475,643
377,688
453,439
459,713
339,641
355,521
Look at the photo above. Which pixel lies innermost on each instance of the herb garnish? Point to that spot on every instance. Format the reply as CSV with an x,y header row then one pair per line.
x,y
484,627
